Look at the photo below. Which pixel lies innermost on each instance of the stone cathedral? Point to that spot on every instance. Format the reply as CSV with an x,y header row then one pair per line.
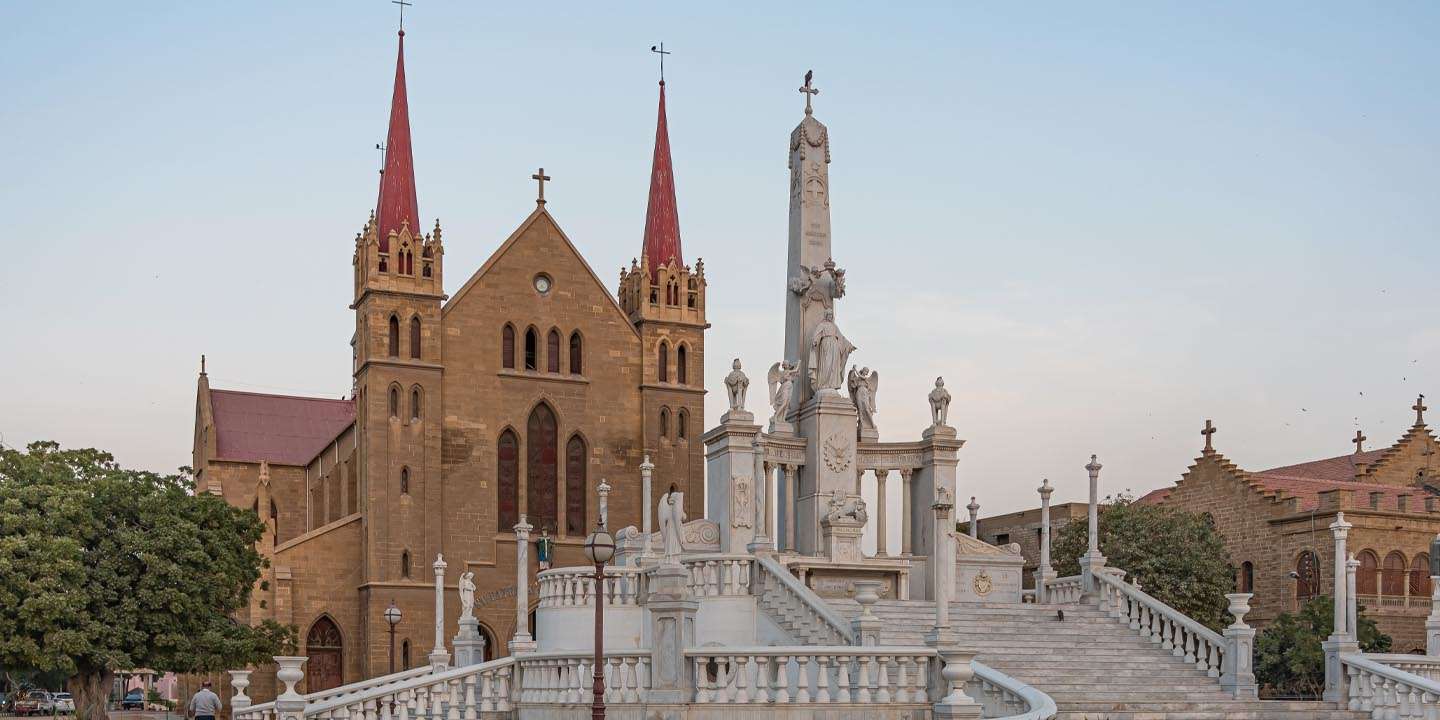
x,y
509,395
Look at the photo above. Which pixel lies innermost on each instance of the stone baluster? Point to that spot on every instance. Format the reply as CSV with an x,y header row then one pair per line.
x,y
882,535
439,657
522,641
822,679
954,673
905,502
239,680
289,704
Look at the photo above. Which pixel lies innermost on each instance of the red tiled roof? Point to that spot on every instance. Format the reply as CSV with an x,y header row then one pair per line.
x,y
1337,468
1308,490
1154,497
283,429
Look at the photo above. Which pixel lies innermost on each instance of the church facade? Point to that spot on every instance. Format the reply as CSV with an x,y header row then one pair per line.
x,y
512,396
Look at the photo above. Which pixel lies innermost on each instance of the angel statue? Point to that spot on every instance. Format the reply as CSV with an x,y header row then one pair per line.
x,y
467,594
736,385
939,403
782,388
863,384
672,522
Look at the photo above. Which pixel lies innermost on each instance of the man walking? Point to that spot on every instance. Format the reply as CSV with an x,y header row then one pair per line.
x,y
205,704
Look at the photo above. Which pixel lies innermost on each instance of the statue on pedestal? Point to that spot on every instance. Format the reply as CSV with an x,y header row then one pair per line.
x,y
939,403
467,594
847,508
829,353
736,385
864,384
782,388
672,522
544,548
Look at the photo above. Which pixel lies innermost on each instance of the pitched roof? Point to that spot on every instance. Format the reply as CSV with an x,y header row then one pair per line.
x,y
1340,468
662,219
1307,491
1154,497
284,429
397,203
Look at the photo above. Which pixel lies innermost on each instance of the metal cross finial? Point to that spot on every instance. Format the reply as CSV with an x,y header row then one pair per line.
x,y
1209,432
381,148
662,52
402,5
1359,442
1419,408
540,177
809,90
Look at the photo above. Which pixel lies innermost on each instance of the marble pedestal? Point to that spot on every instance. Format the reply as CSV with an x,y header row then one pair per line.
x,y
841,539
1335,680
672,629
732,487
828,423
469,643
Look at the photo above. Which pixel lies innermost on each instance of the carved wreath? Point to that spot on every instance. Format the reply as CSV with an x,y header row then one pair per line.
x,y
837,453
983,584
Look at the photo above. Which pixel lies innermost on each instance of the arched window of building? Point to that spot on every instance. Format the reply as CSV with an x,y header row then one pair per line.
x,y
404,481
552,351
394,401
1247,577
577,355
542,467
405,564
415,405
664,423
682,424
415,337
1392,575
1307,584
394,348
663,360
507,347
275,520
1367,576
405,653
1420,576
487,653
532,361
681,371
576,487
507,480
325,648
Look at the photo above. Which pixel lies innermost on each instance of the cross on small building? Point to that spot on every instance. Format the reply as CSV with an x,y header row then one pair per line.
x,y
540,177
1419,408
1359,442
1209,432
809,90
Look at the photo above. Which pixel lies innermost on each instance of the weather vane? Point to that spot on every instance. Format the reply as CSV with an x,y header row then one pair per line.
x,y
402,5
809,90
662,52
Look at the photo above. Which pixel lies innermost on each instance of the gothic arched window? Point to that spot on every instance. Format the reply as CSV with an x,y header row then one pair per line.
x,y
541,467
405,648
1367,576
415,337
507,480
664,423
1247,577
507,347
577,360
552,351
681,371
405,564
394,401
663,359
415,413
394,345
1307,584
531,350
576,486
682,424
404,481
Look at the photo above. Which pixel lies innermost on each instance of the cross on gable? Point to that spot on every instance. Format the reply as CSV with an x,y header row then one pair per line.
x,y
1419,408
1209,433
1359,442
540,177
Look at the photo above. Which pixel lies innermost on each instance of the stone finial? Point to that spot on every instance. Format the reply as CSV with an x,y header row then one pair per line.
x,y
202,366
1045,489
1209,433
1093,467
1419,408
1340,527
440,564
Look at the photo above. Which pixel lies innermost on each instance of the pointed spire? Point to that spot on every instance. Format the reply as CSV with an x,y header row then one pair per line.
x,y
662,221
396,204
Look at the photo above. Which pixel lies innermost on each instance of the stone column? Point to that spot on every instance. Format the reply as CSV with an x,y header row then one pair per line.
x,y
1237,675
1340,640
905,510
522,642
1092,561
882,542
1351,599
974,509
1432,623
439,657
1044,574
647,470
761,541
940,562
603,490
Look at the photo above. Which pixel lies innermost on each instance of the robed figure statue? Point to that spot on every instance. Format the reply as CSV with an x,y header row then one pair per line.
x,y
672,525
829,353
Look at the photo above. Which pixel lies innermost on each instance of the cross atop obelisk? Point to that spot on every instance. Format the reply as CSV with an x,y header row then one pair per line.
x,y
809,90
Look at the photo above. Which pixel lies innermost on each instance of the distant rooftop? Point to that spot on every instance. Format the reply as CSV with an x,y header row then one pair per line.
x,y
283,429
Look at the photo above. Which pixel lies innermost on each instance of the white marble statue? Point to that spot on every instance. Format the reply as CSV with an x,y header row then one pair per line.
x,y
782,388
847,508
736,385
939,403
820,284
829,353
864,384
672,522
467,594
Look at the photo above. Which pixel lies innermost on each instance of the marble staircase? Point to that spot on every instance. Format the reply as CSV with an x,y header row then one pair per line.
x,y
1094,667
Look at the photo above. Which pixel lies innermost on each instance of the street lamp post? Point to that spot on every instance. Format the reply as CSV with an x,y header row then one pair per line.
x,y
392,616
599,549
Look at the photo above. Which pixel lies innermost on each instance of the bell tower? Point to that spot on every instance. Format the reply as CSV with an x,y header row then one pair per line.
x,y
397,362
665,299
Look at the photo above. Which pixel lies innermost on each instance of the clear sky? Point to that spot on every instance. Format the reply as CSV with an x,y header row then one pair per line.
x,y
1103,223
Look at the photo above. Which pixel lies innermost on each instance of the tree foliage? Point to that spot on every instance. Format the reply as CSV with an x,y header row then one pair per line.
x,y
1288,658
1177,556
104,568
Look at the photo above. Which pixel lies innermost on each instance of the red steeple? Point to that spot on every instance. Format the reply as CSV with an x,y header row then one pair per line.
x,y
662,222
397,182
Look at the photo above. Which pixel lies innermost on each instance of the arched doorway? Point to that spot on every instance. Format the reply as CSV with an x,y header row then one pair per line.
x,y
1307,576
324,648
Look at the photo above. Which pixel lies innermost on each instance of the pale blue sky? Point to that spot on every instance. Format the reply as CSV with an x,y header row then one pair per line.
x,y
1103,223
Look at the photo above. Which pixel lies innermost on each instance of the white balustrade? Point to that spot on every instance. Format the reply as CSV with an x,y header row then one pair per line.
x,y
266,711
1388,693
453,694
1065,591
566,678
1162,624
801,675
716,575
1426,666
575,586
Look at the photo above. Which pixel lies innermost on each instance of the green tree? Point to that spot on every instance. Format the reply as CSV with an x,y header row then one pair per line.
x,y
105,569
1288,658
1176,555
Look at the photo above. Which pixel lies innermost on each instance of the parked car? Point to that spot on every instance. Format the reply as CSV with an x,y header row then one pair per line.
x,y
34,702
64,703
133,700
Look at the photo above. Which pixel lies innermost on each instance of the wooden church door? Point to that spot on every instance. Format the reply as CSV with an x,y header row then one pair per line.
x,y
324,647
